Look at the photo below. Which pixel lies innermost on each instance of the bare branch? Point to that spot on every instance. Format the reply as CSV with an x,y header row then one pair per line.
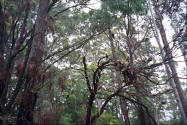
x,y
86,75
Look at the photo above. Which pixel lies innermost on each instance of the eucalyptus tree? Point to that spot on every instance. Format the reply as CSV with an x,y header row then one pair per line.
x,y
169,56
166,66
24,50
41,48
125,10
128,43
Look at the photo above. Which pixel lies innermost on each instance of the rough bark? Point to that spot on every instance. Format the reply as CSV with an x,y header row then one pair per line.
x,y
29,98
178,95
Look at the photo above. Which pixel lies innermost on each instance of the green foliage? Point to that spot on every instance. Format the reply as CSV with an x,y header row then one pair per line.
x,y
172,122
108,119
66,120
93,66
72,28
129,7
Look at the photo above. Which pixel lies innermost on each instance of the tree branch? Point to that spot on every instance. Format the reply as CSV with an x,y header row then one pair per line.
x,y
86,75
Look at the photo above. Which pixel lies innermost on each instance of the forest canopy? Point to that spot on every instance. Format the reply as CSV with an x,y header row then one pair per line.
x,y
93,62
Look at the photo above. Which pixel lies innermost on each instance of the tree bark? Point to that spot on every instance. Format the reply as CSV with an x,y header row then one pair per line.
x,y
29,98
89,109
2,45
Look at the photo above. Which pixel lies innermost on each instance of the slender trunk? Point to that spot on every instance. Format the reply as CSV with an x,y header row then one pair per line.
x,y
154,109
124,110
29,98
171,81
155,112
2,45
141,113
2,35
184,53
123,103
9,65
20,79
170,57
182,48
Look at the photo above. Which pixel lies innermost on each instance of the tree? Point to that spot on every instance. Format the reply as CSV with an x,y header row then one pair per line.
x,y
25,115
170,57
166,67
66,62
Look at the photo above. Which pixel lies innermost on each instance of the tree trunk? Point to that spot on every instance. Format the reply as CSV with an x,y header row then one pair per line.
x,y
123,103
141,113
155,111
184,53
124,110
170,57
29,97
20,78
171,81
184,48
2,45
89,109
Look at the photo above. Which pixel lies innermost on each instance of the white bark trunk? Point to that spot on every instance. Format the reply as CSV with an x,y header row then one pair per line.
x,y
171,81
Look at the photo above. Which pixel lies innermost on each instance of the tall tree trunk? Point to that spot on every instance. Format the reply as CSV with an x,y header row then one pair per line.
x,y
29,98
2,35
184,53
184,49
170,57
123,103
171,81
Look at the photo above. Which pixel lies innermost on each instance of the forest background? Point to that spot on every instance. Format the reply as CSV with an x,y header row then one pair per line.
x,y
82,62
